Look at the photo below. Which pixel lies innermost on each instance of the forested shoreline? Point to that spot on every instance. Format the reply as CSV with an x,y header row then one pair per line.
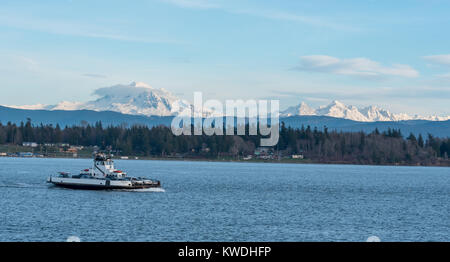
x,y
318,146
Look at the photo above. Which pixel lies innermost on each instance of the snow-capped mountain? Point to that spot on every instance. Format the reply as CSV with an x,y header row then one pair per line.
x,y
301,110
139,98
367,114
136,98
339,110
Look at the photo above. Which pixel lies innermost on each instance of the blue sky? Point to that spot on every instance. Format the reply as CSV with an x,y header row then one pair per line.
x,y
394,54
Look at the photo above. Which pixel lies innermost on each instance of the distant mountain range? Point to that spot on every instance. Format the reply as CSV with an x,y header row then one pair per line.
x,y
141,104
81,117
366,114
78,117
424,127
141,99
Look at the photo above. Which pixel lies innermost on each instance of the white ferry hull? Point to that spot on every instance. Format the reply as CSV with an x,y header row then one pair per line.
x,y
97,184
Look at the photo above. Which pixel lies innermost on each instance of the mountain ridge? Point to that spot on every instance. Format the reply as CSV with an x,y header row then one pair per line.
x,y
138,98
366,114
81,117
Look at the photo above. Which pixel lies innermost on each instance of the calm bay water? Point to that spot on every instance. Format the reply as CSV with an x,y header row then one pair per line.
x,y
208,201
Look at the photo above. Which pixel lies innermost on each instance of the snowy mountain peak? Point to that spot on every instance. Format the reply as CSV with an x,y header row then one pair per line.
x,y
305,109
340,110
367,114
137,98
302,109
337,103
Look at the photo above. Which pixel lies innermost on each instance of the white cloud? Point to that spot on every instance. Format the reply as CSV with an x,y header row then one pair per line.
x,y
94,75
438,59
73,28
362,67
443,78
290,17
258,12
203,4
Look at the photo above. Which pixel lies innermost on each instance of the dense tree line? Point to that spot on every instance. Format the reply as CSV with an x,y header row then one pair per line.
x,y
389,147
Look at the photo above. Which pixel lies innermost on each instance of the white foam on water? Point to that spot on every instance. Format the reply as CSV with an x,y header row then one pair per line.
x,y
373,239
143,190
73,239
22,185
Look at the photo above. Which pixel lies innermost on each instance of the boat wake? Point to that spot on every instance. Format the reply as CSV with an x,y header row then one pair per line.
x,y
145,190
22,185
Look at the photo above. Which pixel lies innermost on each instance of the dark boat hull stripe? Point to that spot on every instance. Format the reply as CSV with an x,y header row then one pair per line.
x,y
101,187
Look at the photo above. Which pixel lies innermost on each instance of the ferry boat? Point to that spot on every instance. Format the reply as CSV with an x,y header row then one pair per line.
x,y
102,175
